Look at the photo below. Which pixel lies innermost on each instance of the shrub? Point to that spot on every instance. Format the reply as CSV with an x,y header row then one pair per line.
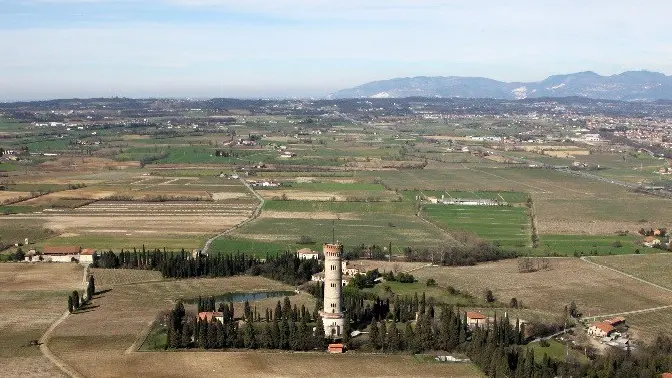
x,y
431,282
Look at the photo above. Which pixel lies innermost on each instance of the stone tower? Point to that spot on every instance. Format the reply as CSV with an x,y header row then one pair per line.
x,y
332,314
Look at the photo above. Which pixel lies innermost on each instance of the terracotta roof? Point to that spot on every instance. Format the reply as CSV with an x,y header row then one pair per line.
x,y
475,315
336,346
606,327
667,375
616,320
87,251
61,250
208,315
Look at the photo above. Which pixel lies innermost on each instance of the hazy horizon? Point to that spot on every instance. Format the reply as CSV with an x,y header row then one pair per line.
x,y
302,48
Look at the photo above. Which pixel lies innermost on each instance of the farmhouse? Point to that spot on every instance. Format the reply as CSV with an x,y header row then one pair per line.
x,y
65,253
86,255
601,329
475,319
651,242
307,254
209,315
347,270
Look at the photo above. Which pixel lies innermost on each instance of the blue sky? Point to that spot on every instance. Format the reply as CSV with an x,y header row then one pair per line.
x,y
278,48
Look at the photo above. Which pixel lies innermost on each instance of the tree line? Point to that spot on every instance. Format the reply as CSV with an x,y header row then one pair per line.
x,y
286,267
283,328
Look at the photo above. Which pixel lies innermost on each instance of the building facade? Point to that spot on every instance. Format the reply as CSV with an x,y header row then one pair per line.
x,y
332,314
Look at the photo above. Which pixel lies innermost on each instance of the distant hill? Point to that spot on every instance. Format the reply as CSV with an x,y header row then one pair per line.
x,y
627,86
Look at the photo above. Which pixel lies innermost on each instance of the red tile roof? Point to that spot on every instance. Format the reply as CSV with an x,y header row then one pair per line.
x,y
606,327
208,315
61,250
615,321
87,251
475,315
667,375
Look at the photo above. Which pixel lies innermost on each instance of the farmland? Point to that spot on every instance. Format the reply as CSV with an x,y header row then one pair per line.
x,y
503,225
27,290
550,290
654,268
118,321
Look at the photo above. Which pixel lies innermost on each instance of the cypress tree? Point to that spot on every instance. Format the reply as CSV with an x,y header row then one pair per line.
x,y
383,335
374,337
319,338
71,306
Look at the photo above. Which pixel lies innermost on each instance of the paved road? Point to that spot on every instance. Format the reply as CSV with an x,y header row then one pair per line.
x,y
254,216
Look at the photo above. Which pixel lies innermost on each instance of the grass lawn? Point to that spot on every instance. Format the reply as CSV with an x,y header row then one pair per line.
x,y
442,295
587,245
254,247
506,225
556,351
380,229
116,242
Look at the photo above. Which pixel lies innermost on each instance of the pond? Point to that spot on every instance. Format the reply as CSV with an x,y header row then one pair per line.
x,y
242,297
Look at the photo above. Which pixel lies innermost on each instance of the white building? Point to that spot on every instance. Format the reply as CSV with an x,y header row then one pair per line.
x,y
307,254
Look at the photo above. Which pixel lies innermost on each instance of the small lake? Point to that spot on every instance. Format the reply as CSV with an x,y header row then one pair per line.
x,y
242,297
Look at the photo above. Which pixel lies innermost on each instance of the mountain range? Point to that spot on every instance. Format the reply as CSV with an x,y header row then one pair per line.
x,y
627,86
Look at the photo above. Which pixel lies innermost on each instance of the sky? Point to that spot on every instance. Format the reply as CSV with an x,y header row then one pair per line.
x,y
310,48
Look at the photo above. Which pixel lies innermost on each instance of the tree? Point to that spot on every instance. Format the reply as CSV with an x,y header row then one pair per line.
x,y
319,338
75,299
383,335
573,312
513,303
91,288
431,282
393,340
249,336
489,297
71,306
374,337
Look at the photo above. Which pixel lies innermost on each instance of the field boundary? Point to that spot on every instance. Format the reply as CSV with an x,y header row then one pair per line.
x,y
255,215
586,259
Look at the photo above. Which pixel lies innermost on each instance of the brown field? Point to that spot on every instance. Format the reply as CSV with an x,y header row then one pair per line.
x,y
104,334
39,276
142,218
648,325
568,280
32,296
80,164
655,268
8,196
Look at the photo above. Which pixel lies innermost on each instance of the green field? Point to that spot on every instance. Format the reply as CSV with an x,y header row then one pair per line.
x,y
388,289
588,245
231,245
507,226
104,242
379,229
556,351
